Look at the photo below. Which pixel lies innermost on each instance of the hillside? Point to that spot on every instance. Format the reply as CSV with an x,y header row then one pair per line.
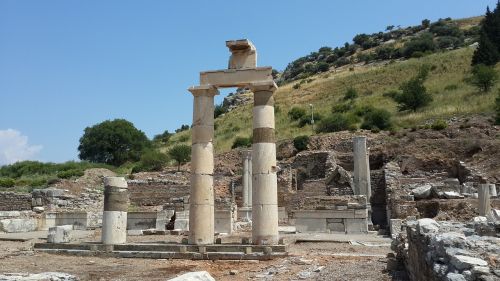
x,y
452,96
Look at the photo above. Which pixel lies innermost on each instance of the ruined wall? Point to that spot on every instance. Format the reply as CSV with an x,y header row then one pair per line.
x,y
156,192
11,201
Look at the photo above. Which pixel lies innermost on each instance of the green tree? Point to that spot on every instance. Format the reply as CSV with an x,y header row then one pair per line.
x,y
112,142
301,142
151,160
296,113
497,108
377,118
488,51
242,142
163,137
350,94
181,153
483,77
413,93
426,23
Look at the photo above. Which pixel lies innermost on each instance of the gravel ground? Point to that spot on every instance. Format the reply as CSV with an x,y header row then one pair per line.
x,y
307,261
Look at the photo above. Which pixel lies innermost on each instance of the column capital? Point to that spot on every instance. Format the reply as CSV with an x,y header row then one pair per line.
x,y
205,90
247,153
269,86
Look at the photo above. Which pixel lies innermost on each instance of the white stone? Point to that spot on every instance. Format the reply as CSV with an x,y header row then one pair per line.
x,y
60,234
181,224
465,262
455,277
18,225
452,195
114,227
427,226
422,192
38,209
194,276
59,276
9,214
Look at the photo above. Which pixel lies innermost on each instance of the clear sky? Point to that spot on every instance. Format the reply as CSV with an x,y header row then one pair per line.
x,y
66,65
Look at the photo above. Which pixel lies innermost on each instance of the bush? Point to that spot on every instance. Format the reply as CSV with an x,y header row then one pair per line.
x,y
439,124
306,119
183,127
151,160
163,137
72,173
342,107
301,142
377,118
336,122
483,77
242,142
350,94
296,113
181,153
7,182
413,94
423,43
322,67
497,108
219,110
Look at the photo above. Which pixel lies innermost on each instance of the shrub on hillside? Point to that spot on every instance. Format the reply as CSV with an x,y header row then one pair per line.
x,y
439,124
242,142
483,77
184,127
306,119
342,107
423,43
7,182
497,108
350,94
72,173
300,143
219,110
163,137
296,113
151,160
413,93
377,118
336,122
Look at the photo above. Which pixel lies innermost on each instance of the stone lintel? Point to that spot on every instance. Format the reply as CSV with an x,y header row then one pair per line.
x,y
236,77
203,90
259,86
240,45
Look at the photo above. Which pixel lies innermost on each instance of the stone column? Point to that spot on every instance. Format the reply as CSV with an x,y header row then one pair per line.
x,y
493,190
362,185
247,177
484,200
264,178
114,220
201,202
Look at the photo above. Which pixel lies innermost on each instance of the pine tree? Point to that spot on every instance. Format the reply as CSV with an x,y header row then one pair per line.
x,y
488,51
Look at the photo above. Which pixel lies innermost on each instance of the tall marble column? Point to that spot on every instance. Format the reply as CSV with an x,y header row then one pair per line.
x,y
114,220
201,202
484,200
264,169
246,178
362,185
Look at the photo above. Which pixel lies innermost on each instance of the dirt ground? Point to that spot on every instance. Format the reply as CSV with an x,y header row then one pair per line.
x,y
307,261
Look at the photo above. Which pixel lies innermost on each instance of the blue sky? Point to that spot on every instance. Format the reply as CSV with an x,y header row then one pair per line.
x,y
66,65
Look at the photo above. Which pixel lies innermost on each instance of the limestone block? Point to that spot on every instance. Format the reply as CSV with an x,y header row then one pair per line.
x,y
422,192
9,214
114,227
235,77
356,226
202,189
493,190
361,214
60,276
243,54
263,159
18,225
452,195
60,234
462,262
265,189
181,224
263,116
141,220
484,200
223,222
427,226
162,218
305,225
38,209
194,276
202,158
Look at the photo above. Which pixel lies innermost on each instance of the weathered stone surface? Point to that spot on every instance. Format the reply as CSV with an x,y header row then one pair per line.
x,y
422,192
60,234
455,277
465,262
427,226
194,276
45,276
452,195
18,225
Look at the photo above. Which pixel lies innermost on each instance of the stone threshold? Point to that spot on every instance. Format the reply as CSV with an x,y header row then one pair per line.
x,y
168,251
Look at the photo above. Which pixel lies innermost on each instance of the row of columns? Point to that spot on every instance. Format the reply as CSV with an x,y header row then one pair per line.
x,y
263,167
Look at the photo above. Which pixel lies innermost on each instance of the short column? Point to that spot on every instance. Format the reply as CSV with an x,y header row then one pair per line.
x,y
114,220
201,201
264,178
493,190
362,185
484,200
